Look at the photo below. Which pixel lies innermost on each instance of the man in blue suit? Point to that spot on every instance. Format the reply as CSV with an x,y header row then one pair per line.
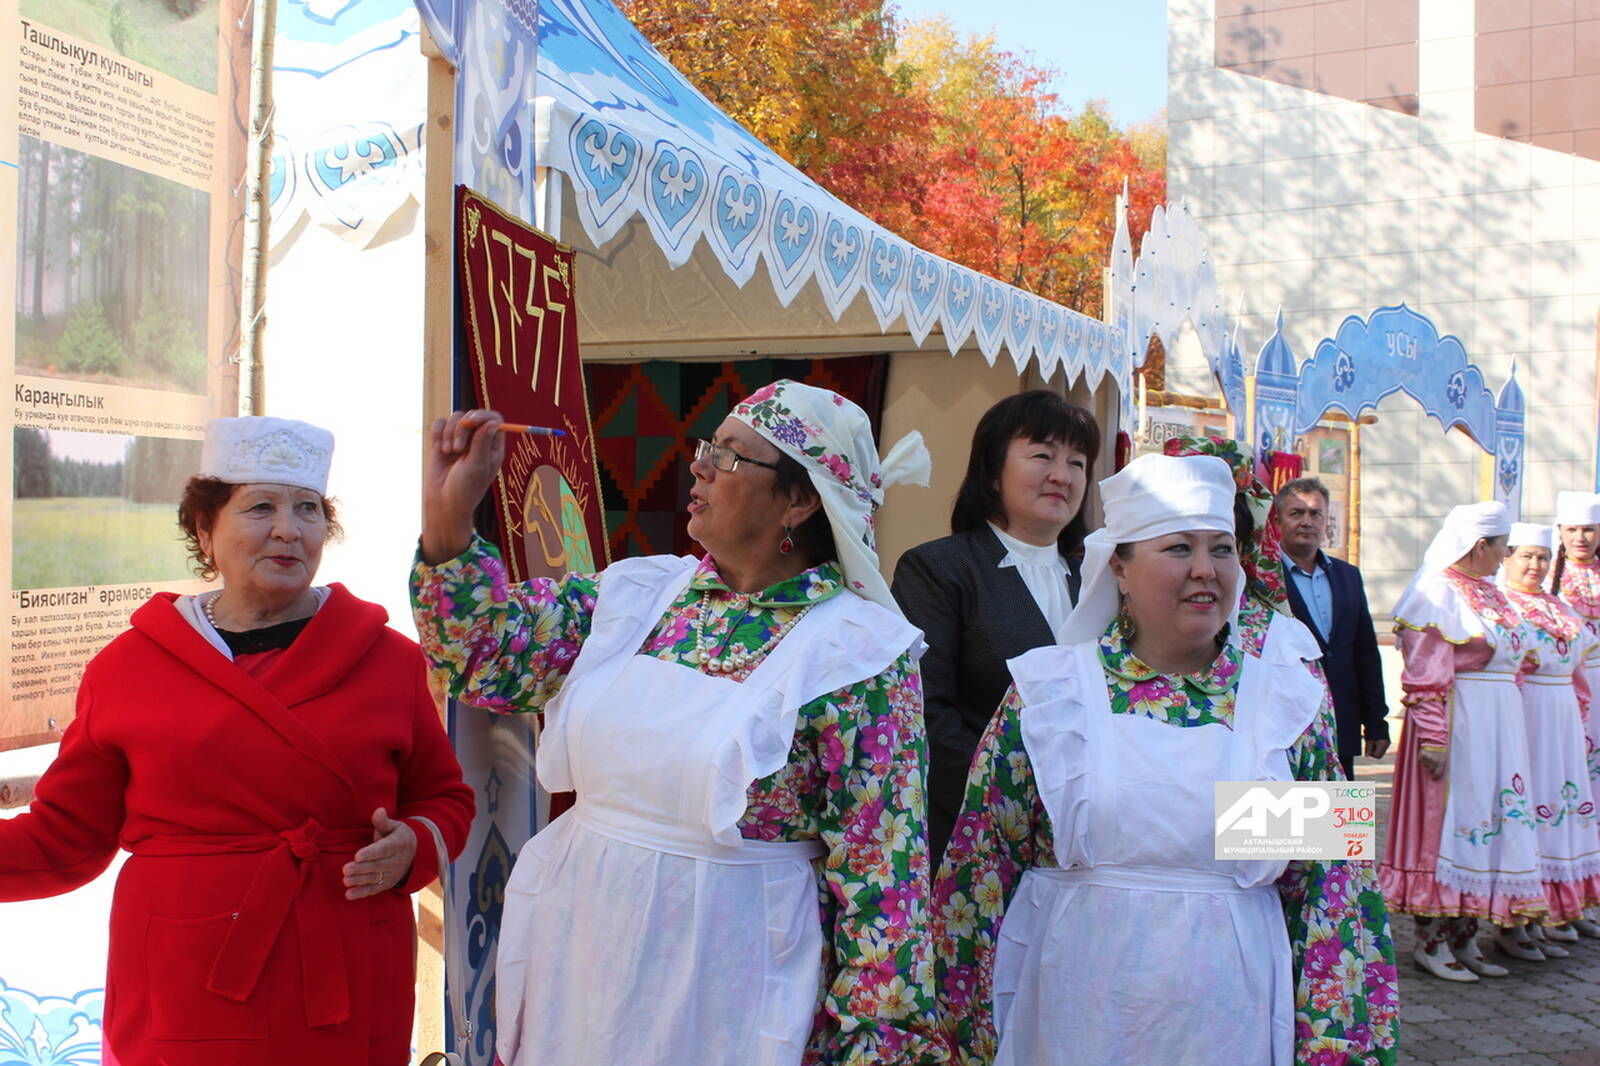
x,y
1328,596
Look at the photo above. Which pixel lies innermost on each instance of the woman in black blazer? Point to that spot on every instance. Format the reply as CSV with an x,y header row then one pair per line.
x,y
1002,582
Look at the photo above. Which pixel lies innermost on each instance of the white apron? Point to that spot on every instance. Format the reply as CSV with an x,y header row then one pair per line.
x,y
1143,948
1562,799
640,928
1487,843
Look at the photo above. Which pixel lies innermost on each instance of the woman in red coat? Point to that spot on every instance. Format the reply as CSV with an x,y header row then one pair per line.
x,y
270,755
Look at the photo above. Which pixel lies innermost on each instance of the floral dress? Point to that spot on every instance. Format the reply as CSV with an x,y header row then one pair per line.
x,y
1580,588
1345,979
854,779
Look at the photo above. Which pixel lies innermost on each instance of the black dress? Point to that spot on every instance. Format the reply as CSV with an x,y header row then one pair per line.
x,y
975,616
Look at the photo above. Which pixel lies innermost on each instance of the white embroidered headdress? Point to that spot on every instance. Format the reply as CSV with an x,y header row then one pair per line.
x,y
257,448
832,438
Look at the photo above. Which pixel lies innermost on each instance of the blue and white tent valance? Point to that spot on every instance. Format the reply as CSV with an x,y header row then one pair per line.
x,y
637,141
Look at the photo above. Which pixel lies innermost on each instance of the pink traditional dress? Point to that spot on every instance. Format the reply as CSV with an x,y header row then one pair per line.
x,y
1555,699
1580,589
1462,845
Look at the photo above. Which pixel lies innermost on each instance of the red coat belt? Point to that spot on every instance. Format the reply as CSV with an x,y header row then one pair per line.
x,y
285,881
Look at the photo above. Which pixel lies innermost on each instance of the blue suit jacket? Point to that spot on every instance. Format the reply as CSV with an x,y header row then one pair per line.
x,y
1349,657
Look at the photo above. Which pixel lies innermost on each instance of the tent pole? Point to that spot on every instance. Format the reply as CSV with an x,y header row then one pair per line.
x,y
258,175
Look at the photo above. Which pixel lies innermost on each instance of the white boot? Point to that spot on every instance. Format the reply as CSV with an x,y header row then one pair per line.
x,y
1441,964
1542,942
1471,956
1516,942
1564,933
1585,927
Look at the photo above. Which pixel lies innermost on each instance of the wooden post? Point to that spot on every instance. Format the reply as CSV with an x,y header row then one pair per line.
x,y
1354,495
257,216
438,334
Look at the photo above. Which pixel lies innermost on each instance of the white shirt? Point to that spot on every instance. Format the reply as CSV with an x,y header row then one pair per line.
x,y
1044,571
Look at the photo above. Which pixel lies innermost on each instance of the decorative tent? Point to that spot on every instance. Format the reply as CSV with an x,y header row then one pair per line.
x,y
673,209
640,145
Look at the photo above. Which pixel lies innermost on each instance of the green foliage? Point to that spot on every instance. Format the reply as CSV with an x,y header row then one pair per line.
x,y
164,339
87,345
177,38
30,463
62,543
120,28
157,468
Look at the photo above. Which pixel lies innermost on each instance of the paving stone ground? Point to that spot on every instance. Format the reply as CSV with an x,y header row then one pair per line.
x,y
1543,1014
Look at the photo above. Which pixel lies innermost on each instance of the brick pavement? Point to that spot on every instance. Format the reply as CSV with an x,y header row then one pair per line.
x,y
1543,1014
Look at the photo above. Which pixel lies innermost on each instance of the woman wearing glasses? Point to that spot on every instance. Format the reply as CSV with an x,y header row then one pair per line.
x,y
744,734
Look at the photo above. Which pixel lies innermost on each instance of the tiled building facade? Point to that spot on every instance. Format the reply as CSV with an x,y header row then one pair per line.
x,y
1349,154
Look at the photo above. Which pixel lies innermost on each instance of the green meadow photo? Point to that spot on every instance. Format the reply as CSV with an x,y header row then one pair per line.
x,y
176,37
96,508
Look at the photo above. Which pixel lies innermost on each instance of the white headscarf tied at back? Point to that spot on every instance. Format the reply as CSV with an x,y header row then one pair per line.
x,y
1153,496
1428,602
832,438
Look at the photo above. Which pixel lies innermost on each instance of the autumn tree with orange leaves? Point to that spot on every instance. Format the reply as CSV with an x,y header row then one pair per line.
x,y
945,139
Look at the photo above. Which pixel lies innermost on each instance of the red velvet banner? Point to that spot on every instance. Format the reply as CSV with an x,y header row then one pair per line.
x,y
1282,468
520,314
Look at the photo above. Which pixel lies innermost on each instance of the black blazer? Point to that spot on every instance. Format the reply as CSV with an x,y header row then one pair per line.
x,y
975,616
1349,657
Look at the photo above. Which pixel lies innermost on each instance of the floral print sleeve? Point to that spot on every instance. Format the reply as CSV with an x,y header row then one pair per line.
x,y
1346,985
1002,832
878,1005
502,646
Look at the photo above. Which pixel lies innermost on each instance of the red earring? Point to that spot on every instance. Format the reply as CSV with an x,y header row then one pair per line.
x,y
786,545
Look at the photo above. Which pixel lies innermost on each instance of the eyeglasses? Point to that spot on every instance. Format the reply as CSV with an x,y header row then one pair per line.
x,y
725,459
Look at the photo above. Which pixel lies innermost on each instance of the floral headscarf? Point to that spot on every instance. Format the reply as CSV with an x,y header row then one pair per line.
x,y
832,438
1261,557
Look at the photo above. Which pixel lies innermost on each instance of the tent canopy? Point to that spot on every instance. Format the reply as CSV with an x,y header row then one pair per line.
x,y
646,154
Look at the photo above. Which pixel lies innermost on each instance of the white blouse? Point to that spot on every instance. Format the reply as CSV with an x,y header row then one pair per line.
x,y
1044,571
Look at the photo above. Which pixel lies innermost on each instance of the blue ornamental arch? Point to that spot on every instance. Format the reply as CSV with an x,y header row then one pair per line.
x,y
1277,386
1396,349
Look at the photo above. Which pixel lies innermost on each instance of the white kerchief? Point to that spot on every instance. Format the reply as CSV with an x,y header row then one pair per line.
x,y
832,438
1430,601
1043,571
1529,534
256,448
1153,496
1577,509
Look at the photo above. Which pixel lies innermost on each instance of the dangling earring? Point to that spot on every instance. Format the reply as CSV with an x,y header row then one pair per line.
x,y
1223,633
786,545
1125,624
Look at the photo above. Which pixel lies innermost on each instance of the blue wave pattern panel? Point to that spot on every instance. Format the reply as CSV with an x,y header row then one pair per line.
x,y
349,121
46,1030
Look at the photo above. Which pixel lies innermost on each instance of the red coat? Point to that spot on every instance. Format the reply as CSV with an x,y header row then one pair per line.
x,y
240,800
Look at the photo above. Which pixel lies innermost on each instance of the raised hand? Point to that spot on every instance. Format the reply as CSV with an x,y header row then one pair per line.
x,y
464,455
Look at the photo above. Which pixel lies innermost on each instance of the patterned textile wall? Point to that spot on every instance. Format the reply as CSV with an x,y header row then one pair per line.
x,y
648,415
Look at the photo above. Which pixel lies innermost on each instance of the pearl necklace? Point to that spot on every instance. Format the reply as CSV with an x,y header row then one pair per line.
x,y
738,662
206,606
